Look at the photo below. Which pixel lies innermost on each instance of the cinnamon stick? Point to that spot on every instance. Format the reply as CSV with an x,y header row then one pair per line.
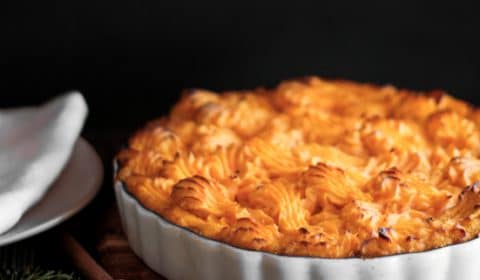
x,y
82,260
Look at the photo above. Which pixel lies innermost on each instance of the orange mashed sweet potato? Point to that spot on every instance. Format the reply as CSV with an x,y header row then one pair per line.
x,y
313,167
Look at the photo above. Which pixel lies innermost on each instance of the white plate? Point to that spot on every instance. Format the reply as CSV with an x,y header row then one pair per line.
x,y
74,189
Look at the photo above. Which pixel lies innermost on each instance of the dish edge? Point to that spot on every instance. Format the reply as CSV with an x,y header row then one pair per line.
x,y
192,256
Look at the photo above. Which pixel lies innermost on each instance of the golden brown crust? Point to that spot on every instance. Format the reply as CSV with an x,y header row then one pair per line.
x,y
314,168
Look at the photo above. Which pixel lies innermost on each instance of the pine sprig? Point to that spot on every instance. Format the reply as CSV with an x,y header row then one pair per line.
x,y
36,274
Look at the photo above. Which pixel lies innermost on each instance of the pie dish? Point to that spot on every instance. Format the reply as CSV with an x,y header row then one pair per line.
x,y
313,178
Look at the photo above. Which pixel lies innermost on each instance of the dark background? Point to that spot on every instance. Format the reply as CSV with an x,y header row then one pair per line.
x,y
132,58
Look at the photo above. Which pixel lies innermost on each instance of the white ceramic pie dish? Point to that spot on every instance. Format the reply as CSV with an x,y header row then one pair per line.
x,y
178,253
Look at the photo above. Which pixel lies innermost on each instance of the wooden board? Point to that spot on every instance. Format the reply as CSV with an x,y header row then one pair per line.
x,y
115,255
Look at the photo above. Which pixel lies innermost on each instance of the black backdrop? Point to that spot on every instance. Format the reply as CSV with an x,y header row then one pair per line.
x,y
132,58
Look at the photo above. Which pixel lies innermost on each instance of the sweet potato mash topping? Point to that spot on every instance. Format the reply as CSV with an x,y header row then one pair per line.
x,y
314,168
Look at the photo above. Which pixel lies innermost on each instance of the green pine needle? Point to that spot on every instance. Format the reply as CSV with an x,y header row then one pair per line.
x,y
36,274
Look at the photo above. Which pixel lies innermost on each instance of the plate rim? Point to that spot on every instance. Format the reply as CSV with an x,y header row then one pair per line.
x,y
61,217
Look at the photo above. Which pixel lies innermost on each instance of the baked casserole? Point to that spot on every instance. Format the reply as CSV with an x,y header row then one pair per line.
x,y
313,167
